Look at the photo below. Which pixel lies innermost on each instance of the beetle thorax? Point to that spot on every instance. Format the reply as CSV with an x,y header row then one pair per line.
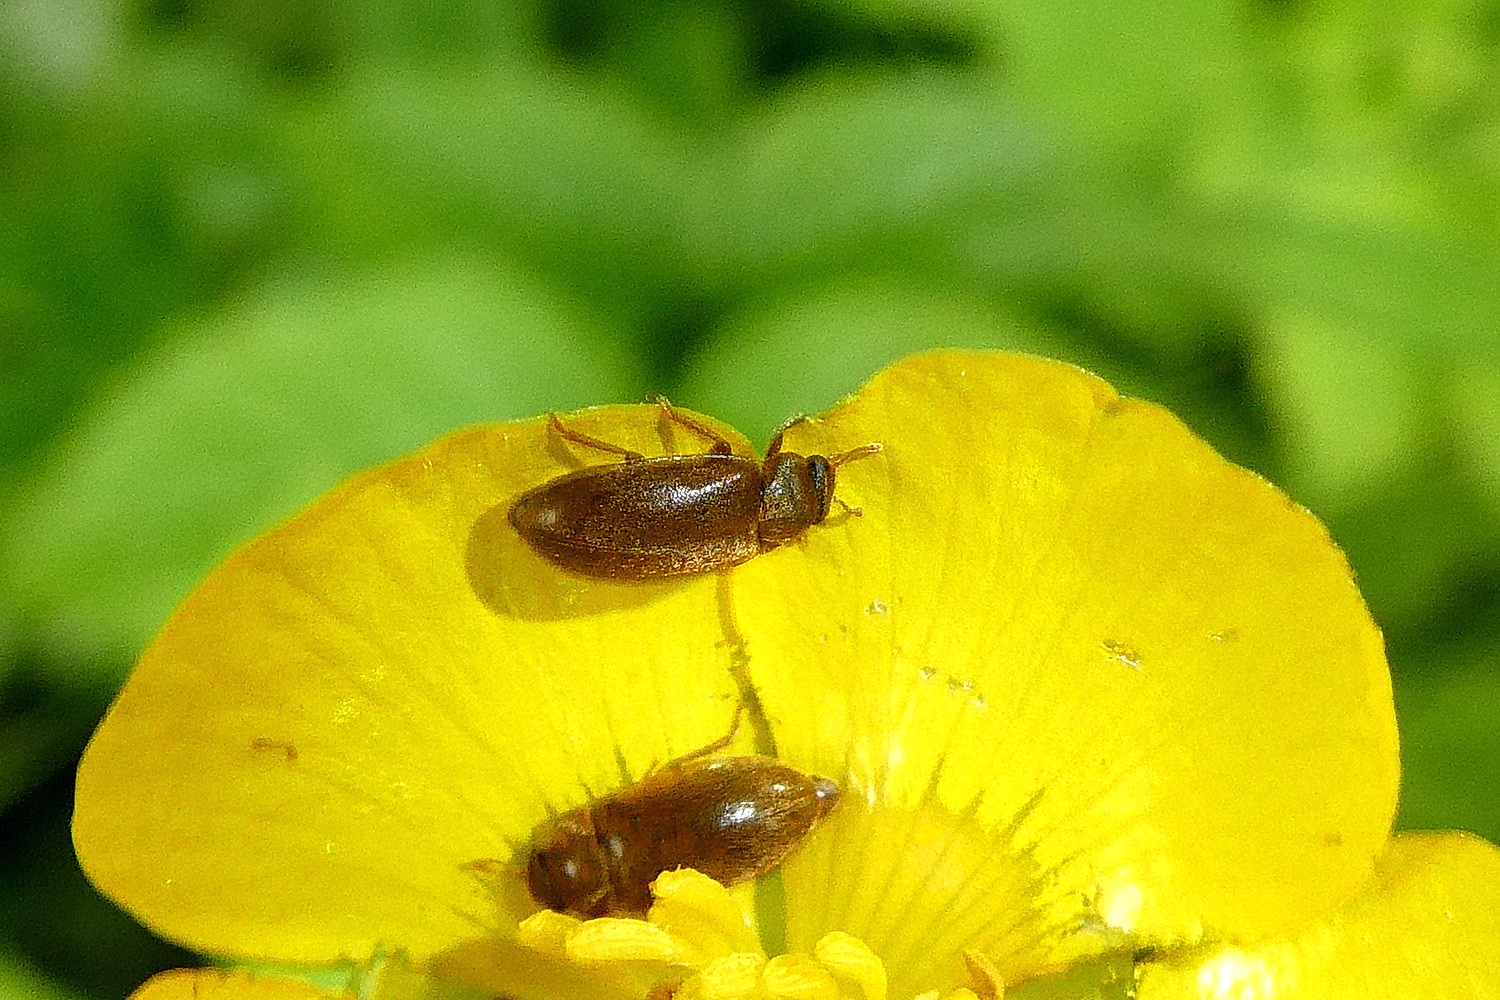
x,y
795,495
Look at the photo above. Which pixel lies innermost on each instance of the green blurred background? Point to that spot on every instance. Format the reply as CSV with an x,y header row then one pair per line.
x,y
249,247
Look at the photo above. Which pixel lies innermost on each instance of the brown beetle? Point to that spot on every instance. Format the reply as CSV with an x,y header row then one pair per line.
x,y
731,818
675,515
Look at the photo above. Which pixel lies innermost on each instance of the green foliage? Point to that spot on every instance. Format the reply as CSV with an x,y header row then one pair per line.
x,y
250,249
255,411
814,344
19,980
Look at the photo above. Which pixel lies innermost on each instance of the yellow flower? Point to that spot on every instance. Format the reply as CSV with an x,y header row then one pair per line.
x,y
1097,700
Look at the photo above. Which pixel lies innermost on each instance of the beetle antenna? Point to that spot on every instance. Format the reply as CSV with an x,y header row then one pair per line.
x,y
774,448
854,454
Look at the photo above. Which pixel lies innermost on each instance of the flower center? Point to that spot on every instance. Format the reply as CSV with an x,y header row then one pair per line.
x,y
697,943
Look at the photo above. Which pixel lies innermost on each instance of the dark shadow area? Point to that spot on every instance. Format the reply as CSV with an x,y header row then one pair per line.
x,y
54,918
512,580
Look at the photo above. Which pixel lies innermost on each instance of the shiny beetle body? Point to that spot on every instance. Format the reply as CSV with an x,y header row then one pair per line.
x,y
731,818
648,518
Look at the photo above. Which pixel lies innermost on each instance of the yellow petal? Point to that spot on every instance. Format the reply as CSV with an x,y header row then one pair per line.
x,y
496,966
1086,682
1426,926
219,984
344,737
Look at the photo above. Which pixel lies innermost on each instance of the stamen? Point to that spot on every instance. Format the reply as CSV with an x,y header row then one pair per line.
x,y
729,977
698,943
547,932
798,977
617,939
701,914
851,961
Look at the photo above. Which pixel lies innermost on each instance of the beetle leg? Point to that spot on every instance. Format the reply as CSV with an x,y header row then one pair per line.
x,y
705,751
723,741
851,511
591,442
487,869
719,446
774,448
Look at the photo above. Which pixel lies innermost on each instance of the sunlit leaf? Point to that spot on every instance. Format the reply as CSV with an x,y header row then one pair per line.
x,y
251,412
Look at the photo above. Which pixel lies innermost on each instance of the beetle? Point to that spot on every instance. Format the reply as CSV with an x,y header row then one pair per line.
x,y
731,818
677,515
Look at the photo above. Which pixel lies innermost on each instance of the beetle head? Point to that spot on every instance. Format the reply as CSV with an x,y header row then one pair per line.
x,y
566,873
793,497
828,792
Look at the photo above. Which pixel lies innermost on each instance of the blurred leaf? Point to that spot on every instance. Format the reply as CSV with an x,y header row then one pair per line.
x,y
856,170
19,980
804,351
1359,183
1475,393
1111,243
1106,69
573,177
9,640
1412,541
251,413
124,203
1348,406
1120,68
688,59
456,29
296,42
1449,755
1398,92
212,140
59,44
1393,284
43,725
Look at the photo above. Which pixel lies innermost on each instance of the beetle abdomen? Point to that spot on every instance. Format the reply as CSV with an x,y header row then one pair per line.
x,y
731,818
655,517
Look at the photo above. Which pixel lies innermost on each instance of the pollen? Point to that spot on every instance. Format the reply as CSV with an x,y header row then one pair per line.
x,y
698,943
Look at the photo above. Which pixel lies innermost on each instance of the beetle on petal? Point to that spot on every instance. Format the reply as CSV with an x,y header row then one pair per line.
x,y
677,515
731,818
